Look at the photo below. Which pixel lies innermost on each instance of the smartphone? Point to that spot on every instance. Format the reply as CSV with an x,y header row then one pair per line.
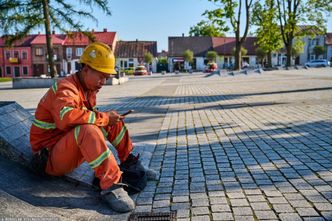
x,y
128,112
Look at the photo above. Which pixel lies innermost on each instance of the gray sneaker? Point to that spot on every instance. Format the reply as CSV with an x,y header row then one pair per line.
x,y
132,159
150,174
118,199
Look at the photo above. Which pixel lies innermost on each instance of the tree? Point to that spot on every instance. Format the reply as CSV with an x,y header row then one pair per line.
x,y
231,10
291,13
211,56
243,51
188,56
19,18
205,28
319,50
297,47
261,55
148,58
268,33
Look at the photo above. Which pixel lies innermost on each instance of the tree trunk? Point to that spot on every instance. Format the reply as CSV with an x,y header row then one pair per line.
x,y
289,54
49,38
269,59
238,56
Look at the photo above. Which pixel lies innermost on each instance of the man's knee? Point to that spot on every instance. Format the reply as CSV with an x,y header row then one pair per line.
x,y
90,130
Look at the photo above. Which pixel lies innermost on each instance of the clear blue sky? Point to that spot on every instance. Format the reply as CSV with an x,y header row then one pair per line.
x,y
153,20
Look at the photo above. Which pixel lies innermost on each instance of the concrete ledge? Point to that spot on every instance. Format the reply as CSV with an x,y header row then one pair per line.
x,y
20,83
115,81
15,123
37,82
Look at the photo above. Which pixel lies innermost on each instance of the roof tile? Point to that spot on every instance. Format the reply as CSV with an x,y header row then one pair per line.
x,y
135,49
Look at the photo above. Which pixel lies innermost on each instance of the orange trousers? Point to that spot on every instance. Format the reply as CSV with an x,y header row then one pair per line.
x,y
87,143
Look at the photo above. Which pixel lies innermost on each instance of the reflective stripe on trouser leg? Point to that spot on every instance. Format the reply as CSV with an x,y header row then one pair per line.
x,y
86,144
118,135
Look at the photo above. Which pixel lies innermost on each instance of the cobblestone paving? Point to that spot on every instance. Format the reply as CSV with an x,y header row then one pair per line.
x,y
255,147
256,150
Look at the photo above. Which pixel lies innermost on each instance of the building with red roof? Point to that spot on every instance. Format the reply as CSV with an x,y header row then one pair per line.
x,y
39,53
16,61
75,43
328,44
225,47
130,54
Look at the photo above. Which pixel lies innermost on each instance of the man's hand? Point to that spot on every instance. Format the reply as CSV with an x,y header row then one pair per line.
x,y
114,117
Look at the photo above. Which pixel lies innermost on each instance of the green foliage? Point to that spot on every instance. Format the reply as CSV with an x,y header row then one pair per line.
x,y
261,54
211,56
162,60
5,79
292,13
148,57
243,51
268,32
188,56
319,50
297,48
206,28
20,17
229,11
128,71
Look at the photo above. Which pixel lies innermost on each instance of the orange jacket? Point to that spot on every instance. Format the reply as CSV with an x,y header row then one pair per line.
x,y
63,107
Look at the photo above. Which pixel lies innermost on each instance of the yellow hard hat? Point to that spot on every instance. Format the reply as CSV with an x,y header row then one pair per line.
x,y
100,57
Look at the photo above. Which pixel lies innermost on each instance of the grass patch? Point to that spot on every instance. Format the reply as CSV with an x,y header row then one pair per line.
x,y
5,79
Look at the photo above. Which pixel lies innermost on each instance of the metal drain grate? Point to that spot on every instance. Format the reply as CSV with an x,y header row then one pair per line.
x,y
167,216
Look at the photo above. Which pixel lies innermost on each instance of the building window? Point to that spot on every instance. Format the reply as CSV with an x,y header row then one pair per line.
x,y
0,71
16,54
7,55
25,71
8,71
79,51
77,66
24,55
39,51
55,53
69,52
16,71
131,62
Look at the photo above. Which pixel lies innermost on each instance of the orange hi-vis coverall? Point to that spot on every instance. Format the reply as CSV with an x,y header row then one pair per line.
x,y
68,124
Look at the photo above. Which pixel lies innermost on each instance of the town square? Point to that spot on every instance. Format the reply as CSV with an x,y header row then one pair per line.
x,y
230,120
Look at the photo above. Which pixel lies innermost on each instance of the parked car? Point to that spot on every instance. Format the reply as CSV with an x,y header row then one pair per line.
x,y
318,63
140,70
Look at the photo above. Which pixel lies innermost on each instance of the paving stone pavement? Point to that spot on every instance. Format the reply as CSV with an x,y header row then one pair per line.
x,y
247,147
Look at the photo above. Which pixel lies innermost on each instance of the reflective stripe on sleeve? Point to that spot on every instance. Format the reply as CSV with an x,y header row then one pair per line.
x,y
76,133
118,139
99,160
43,124
55,87
64,110
104,132
92,118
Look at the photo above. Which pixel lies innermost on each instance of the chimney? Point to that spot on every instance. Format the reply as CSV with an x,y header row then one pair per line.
x,y
105,29
182,34
136,39
93,30
53,32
